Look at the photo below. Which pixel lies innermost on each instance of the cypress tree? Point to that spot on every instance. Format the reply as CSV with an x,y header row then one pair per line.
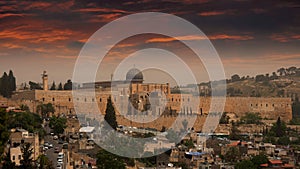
x,y
5,89
110,114
60,87
53,87
12,81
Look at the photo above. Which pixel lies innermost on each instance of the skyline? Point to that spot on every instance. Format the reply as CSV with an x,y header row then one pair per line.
x,y
251,37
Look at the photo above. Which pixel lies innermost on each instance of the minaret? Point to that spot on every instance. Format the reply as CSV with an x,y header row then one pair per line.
x,y
45,81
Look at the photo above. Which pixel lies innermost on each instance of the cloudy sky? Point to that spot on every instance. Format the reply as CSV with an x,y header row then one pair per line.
x,y
251,36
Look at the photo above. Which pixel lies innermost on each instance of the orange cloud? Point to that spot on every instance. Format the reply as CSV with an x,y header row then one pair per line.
x,y
230,37
37,36
215,13
192,37
105,17
285,37
279,38
12,46
212,13
170,39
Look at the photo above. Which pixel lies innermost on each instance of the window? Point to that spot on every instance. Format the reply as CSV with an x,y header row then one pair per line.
x,y
53,99
13,158
19,157
69,99
100,100
93,99
85,99
43,99
266,105
251,105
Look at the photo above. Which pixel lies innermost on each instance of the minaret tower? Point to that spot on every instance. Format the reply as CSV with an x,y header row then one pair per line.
x,y
45,81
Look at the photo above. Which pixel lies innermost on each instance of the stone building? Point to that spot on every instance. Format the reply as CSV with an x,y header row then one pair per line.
x,y
132,96
19,137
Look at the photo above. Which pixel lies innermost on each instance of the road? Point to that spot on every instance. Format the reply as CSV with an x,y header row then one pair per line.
x,y
52,156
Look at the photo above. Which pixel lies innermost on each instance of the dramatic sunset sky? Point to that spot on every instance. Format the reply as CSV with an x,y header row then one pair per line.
x,y
251,36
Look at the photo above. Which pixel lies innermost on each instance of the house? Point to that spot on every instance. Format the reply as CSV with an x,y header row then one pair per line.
x,y
19,137
277,164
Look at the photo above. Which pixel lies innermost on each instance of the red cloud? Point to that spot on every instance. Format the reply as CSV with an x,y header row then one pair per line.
x,y
13,15
108,10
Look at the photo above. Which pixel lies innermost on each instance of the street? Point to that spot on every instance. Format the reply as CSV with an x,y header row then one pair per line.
x,y
52,156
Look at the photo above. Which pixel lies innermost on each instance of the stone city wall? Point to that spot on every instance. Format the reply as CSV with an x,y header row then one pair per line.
x,y
269,108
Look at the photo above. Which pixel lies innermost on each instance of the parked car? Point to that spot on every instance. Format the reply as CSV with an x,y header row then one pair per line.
x,y
59,166
60,155
60,161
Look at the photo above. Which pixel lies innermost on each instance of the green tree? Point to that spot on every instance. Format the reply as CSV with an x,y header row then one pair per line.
x,y
34,86
4,133
27,161
7,163
45,109
283,140
224,119
296,108
232,155
245,164
12,81
279,128
5,89
58,124
44,162
281,71
235,78
68,85
53,86
25,108
60,87
235,132
107,160
110,114
251,118
259,159
189,144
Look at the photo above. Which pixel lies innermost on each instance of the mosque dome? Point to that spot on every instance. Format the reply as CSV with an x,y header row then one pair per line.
x,y
134,75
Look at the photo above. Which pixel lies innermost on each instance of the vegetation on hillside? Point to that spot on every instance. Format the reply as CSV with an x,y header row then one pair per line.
x,y
25,120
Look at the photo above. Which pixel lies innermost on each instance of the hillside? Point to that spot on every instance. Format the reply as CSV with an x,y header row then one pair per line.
x,y
283,86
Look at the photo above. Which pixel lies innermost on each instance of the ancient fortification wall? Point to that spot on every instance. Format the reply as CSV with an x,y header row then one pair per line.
x,y
270,108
